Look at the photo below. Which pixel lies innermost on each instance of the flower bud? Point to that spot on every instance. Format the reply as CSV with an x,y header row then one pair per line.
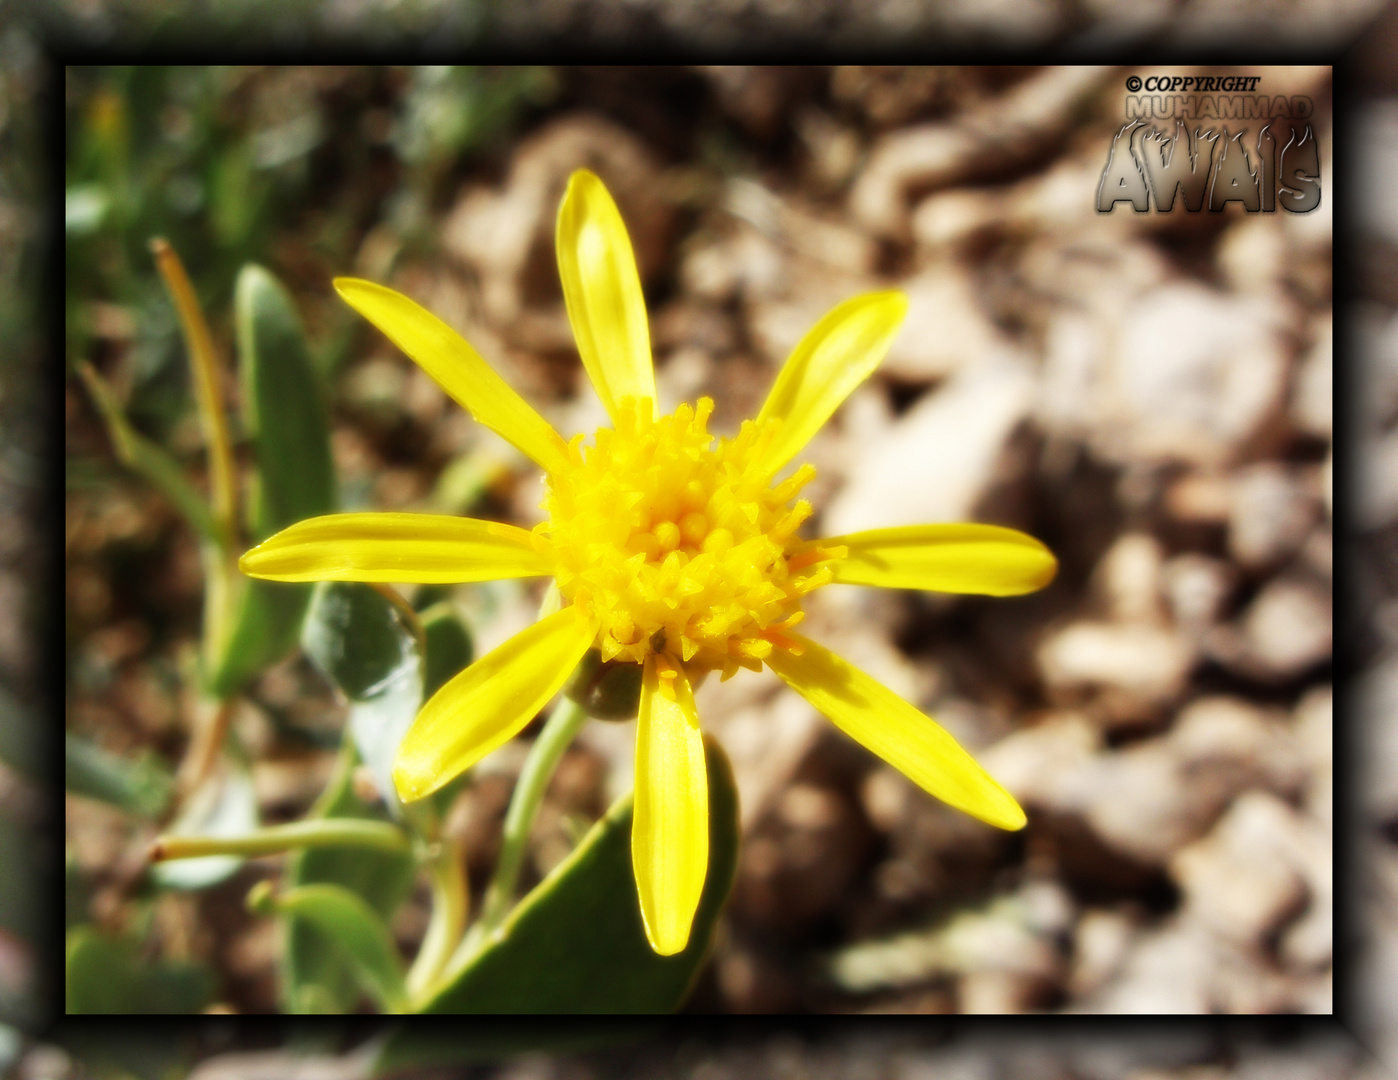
x,y
606,691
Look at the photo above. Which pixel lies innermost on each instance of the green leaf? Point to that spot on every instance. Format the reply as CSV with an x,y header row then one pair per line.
x,y
356,933
576,944
449,647
106,975
284,416
283,407
140,786
370,645
267,618
224,805
150,459
314,978
367,644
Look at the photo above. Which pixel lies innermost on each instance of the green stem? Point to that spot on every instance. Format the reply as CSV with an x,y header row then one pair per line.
x,y
446,867
326,832
563,725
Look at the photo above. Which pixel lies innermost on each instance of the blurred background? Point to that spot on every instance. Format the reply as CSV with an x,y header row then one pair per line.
x,y
1149,394
433,28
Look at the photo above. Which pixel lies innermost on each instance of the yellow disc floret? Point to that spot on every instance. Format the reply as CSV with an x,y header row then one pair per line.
x,y
680,546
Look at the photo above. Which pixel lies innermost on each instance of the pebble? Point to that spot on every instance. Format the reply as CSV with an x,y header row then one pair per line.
x,y
1313,395
1240,881
1195,373
1129,578
1167,971
1196,589
1149,663
1270,514
946,327
937,460
1100,944
1288,628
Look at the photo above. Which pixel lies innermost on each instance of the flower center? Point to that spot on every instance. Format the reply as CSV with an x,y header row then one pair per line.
x,y
681,546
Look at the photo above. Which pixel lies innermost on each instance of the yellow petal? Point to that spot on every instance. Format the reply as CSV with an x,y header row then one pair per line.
x,y
670,826
914,744
435,548
835,356
603,292
954,558
490,702
445,355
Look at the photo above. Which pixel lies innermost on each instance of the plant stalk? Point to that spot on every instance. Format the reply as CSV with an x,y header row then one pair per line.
x,y
324,832
562,726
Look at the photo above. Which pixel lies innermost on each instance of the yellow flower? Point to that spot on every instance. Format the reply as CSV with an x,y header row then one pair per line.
x,y
670,549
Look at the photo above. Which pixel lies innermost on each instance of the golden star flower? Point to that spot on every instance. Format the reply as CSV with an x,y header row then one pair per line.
x,y
671,549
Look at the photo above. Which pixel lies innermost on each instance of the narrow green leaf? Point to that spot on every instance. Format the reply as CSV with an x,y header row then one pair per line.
x,y
576,944
150,459
356,933
284,415
266,620
106,975
140,785
283,408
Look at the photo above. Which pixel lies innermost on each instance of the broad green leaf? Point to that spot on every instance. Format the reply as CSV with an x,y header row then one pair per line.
x,y
225,805
356,933
449,647
576,944
107,975
138,785
284,416
368,643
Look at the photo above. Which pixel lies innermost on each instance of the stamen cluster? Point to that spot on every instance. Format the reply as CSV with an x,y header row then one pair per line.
x,y
679,543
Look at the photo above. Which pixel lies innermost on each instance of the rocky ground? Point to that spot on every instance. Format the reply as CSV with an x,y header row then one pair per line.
x,y
1149,394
